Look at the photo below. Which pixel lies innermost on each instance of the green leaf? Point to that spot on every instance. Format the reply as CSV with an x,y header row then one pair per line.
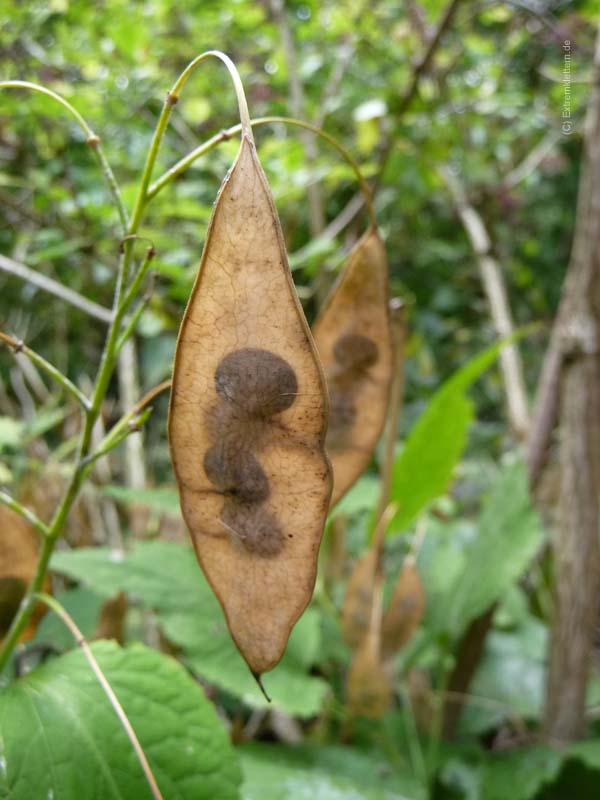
x,y
210,651
83,606
508,534
60,737
11,432
519,774
318,772
361,497
423,470
164,499
166,577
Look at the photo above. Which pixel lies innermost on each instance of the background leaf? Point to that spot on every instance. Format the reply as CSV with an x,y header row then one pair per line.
x,y
508,534
318,772
434,446
166,578
60,737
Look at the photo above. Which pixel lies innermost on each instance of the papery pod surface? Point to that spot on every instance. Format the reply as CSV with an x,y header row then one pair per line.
x,y
368,689
247,421
405,610
358,600
352,335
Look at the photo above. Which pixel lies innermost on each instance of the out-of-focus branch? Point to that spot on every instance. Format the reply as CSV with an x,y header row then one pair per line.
x,y
316,215
495,290
577,552
532,160
54,287
423,66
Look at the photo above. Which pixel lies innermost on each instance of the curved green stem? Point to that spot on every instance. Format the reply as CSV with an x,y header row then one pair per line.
x,y
171,99
92,139
225,135
32,519
61,612
122,299
48,368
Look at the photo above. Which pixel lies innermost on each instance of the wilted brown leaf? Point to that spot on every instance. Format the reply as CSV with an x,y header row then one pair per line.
x,y
247,421
352,335
405,610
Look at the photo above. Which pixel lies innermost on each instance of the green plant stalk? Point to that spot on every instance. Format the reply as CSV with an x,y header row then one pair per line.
x,y
48,368
14,505
122,300
61,612
92,139
180,167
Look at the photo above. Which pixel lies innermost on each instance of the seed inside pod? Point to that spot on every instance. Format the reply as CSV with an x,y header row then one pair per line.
x,y
355,352
252,527
258,381
236,472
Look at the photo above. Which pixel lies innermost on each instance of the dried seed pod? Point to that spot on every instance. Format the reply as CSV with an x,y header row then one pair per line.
x,y
247,421
18,558
352,335
369,691
405,610
358,601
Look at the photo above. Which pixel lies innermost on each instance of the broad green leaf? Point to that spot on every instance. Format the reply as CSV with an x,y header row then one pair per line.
x,y
361,497
83,606
166,578
319,772
161,499
508,534
519,774
162,575
60,737
511,673
423,470
11,432
587,751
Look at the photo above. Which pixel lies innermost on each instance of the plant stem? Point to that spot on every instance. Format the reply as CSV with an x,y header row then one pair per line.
x,y
121,302
108,690
18,346
14,505
225,135
92,139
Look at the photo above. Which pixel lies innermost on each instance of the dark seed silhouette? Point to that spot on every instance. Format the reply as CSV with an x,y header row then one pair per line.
x,y
258,381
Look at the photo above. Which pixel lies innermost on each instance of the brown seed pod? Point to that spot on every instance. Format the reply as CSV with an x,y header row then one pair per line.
x,y
358,601
247,421
352,335
405,610
18,558
369,692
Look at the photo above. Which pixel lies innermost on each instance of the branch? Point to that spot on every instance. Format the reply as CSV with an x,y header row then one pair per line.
x,y
423,66
107,688
493,284
55,288
18,346
532,160
316,215
29,516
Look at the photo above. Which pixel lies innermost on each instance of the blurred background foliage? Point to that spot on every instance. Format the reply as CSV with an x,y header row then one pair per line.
x,y
493,96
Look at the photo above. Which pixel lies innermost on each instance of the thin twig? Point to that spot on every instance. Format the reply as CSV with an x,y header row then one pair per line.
x,y
55,288
29,516
108,690
18,346
495,290
297,101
